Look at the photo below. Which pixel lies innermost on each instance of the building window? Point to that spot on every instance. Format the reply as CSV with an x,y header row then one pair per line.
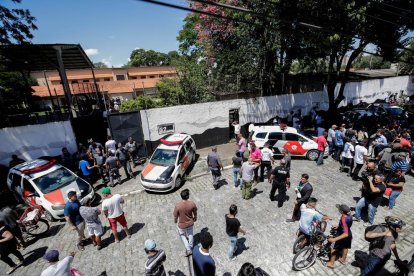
x,y
143,77
152,77
98,80
75,81
106,79
85,80
161,76
133,78
120,77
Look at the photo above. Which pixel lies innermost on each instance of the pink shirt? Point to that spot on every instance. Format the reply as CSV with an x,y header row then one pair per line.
x,y
242,145
321,140
256,154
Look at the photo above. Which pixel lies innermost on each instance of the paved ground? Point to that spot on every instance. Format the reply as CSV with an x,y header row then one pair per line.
x,y
269,238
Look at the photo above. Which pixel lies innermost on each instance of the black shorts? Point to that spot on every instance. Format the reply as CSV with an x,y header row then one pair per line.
x,y
344,243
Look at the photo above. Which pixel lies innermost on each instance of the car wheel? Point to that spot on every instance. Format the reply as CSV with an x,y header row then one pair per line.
x,y
312,155
193,159
178,182
49,216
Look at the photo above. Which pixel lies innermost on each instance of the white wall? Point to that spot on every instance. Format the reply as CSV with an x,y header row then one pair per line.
x,y
32,141
197,118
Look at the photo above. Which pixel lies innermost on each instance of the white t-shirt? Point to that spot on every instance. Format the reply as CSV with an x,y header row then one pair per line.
x,y
111,145
113,206
237,129
61,268
360,151
251,127
307,217
347,150
266,154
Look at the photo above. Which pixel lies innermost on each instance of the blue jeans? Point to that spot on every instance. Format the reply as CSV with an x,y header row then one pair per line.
x,y
233,246
373,265
236,179
393,197
371,210
320,157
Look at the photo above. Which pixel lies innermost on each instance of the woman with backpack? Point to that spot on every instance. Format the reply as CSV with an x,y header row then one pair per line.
x,y
343,238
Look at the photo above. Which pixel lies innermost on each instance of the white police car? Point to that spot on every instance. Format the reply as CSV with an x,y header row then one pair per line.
x,y
47,183
169,163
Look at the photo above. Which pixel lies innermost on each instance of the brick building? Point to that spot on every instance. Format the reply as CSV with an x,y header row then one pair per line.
x,y
123,83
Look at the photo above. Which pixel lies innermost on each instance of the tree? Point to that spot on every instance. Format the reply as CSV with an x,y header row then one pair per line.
x,y
100,65
169,91
142,57
406,66
370,62
15,91
141,102
16,25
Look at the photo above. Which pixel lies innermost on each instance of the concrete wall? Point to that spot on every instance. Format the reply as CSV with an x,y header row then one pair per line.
x,y
33,141
209,122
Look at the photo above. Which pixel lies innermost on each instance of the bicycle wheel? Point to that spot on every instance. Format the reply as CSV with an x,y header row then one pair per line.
x,y
38,229
304,259
299,243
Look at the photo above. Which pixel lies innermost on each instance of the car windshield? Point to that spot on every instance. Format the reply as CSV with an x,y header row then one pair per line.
x,y
54,180
394,111
164,157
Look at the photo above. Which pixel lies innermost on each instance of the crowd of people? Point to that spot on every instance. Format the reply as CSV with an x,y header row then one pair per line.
x,y
385,154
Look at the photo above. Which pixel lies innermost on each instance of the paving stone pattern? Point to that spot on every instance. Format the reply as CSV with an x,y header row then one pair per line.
x,y
267,244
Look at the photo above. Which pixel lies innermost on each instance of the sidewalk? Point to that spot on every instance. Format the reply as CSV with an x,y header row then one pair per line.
x,y
225,151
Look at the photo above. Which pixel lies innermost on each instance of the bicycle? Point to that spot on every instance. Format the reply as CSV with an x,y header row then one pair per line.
x,y
302,240
318,247
404,268
32,223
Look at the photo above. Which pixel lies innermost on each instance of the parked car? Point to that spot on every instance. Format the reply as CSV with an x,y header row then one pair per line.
x,y
169,163
47,183
278,139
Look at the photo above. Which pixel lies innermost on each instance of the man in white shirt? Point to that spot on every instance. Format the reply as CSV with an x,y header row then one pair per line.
x,y
251,130
348,156
56,267
267,161
360,158
237,128
111,207
110,144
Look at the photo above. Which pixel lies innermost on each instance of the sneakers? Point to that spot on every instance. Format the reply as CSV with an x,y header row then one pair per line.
x,y
354,218
233,258
188,253
366,224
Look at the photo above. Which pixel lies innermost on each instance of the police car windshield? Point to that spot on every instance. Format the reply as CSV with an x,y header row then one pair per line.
x,y
164,157
54,180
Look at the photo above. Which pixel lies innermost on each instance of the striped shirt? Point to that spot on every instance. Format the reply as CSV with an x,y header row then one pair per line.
x,y
154,265
400,164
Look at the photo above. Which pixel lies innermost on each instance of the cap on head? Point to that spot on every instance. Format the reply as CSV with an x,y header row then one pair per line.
x,y
106,191
150,245
344,208
51,256
402,154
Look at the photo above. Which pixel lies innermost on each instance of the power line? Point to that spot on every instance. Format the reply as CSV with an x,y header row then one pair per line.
x,y
392,6
156,2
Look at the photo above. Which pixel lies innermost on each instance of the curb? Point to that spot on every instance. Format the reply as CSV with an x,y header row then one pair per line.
x,y
206,173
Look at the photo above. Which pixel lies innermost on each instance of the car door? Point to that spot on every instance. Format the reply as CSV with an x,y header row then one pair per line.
x,y
28,189
294,144
182,161
16,185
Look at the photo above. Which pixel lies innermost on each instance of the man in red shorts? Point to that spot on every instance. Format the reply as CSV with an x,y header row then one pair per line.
x,y
111,207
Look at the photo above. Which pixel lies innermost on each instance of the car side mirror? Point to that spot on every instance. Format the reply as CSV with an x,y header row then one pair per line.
x,y
33,195
180,162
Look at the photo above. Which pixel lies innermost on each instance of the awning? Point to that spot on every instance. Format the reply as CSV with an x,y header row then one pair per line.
x,y
40,57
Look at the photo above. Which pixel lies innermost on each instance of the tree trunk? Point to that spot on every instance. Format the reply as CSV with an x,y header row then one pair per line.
x,y
331,84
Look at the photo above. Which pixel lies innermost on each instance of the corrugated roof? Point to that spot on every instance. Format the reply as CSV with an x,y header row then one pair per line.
x,y
39,57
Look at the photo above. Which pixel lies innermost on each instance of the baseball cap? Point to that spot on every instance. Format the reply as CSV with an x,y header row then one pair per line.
x,y
402,154
106,191
344,208
51,256
150,245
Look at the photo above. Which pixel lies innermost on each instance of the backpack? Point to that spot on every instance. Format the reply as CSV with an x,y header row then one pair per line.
x,y
375,242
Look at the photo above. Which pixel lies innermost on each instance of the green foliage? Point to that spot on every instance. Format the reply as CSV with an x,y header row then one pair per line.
x,y
141,102
407,57
370,62
142,57
169,91
100,65
15,91
16,25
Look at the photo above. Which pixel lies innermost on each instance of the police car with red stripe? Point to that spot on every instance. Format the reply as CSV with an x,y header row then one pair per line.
x,y
47,183
286,138
169,163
